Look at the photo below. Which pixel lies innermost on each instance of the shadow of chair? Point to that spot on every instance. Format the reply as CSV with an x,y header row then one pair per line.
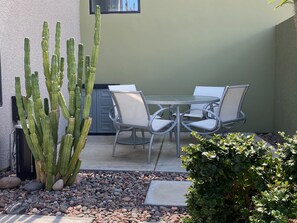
x,y
133,112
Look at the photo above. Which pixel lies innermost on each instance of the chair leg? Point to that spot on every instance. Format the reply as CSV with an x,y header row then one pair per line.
x,y
134,137
115,142
177,149
142,133
150,149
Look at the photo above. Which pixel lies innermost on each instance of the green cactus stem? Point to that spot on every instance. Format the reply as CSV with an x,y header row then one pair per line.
x,y
61,73
57,41
80,145
80,65
63,106
27,67
45,55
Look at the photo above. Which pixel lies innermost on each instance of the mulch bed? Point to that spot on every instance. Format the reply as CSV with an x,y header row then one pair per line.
x,y
106,196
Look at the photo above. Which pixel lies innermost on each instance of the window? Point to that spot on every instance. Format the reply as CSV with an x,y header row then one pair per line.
x,y
115,6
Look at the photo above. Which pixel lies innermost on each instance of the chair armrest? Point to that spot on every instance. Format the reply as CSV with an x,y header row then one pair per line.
x,y
171,123
112,114
208,114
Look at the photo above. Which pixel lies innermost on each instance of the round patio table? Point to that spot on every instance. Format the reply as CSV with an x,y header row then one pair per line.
x,y
178,100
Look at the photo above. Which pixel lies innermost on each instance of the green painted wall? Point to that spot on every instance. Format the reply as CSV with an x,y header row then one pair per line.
x,y
286,78
174,45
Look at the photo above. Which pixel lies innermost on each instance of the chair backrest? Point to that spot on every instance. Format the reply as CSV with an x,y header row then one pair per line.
x,y
231,102
131,107
215,91
122,87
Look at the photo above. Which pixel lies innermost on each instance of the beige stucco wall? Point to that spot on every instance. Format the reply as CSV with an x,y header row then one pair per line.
x,y
20,19
174,45
286,78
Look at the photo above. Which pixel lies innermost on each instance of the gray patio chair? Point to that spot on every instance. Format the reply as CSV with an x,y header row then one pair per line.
x,y
215,91
195,110
133,139
227,116
133,112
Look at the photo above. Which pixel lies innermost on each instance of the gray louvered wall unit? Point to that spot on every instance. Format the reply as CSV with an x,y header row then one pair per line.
x,y
101,105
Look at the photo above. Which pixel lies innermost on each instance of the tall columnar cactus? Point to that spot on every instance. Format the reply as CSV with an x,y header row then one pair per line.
x,y
40,119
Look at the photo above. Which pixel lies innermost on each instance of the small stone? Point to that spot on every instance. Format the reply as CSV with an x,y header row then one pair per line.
x,y
33,186
127,199
18,208
174,208
63,209
9,182
58,185
77,180
34,210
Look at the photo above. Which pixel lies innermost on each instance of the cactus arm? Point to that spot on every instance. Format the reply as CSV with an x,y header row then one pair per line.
x,y
27,67
19,103
72,103
71,75
87,69
61,74
95,50
80,145
70,127
35,148
54,114
72,178
45,55
58,175
37,103
80,65
57,41
65,156
77,114
49,151
62,103
92,70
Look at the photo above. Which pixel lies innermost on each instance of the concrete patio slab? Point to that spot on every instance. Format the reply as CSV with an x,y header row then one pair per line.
x,y
167,193
168,160
97,155
42,219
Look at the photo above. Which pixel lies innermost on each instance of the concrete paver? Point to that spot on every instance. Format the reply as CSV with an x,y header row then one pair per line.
x,y
167,193
42,219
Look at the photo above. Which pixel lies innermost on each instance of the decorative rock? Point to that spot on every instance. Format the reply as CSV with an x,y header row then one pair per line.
x,y
18,208
58,185
9,182
77,180
126,199
33,186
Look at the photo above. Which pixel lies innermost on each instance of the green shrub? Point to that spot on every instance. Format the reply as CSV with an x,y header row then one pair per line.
x,y
276,204
226,173
279,202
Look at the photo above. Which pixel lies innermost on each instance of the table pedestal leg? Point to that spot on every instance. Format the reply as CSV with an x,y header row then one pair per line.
x,y
177,131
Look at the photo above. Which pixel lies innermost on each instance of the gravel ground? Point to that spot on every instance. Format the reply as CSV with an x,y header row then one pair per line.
x,y
106,196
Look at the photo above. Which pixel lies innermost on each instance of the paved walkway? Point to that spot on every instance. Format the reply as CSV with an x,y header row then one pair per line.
x,y
42,219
